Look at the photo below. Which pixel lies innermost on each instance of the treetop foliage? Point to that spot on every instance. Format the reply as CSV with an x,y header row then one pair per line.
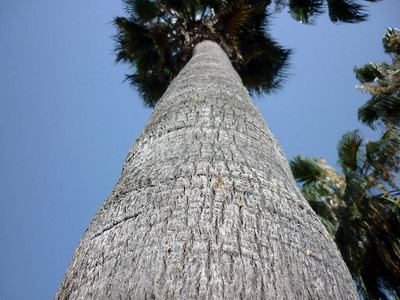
x,y
157,38
382,82
360,206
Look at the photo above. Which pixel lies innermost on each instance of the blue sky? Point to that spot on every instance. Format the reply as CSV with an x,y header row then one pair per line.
x,y
67,120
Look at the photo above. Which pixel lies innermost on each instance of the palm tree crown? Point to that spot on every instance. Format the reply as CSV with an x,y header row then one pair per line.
x,y
158,36
361,208
382,81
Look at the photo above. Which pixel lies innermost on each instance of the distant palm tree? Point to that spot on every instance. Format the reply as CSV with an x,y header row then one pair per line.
x,y
206,206
382,81
360,208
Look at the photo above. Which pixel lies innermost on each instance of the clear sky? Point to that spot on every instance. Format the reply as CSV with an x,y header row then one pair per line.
x,y
67,120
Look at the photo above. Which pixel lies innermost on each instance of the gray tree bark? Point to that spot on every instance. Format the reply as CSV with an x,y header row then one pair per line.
x,y
206,207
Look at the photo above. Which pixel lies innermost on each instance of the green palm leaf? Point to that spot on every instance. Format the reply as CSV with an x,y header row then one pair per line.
x,y
306,170
368,73
348,150
382,81
305,11
384,108
345,11
158,38
143,10
386,147
231,19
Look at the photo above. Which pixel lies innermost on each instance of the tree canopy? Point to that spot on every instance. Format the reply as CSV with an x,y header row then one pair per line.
x,y
156,38
360,206
382,82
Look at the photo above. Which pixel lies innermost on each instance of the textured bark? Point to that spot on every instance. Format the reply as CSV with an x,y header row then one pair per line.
x,y
206,207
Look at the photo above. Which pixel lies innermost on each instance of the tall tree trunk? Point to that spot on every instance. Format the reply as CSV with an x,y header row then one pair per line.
x,y
206,207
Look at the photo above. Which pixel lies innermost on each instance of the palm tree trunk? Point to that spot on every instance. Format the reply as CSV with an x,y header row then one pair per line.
x,y
206,207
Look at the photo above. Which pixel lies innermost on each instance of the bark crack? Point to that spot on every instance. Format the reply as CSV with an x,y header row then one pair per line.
x,y
116,223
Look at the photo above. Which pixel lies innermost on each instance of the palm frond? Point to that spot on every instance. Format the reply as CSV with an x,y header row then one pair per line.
x,y
231,19
368,73
348,150
369,114
146,88
305,11
383,154
142,10
263,68
382,244
347,238
181,8
386,109
346,11
264,73
325,213
306,170
132,40
382,81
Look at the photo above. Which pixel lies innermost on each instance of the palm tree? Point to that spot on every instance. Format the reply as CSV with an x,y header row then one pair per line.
x,y
382,81
361,208
206,206
158,38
